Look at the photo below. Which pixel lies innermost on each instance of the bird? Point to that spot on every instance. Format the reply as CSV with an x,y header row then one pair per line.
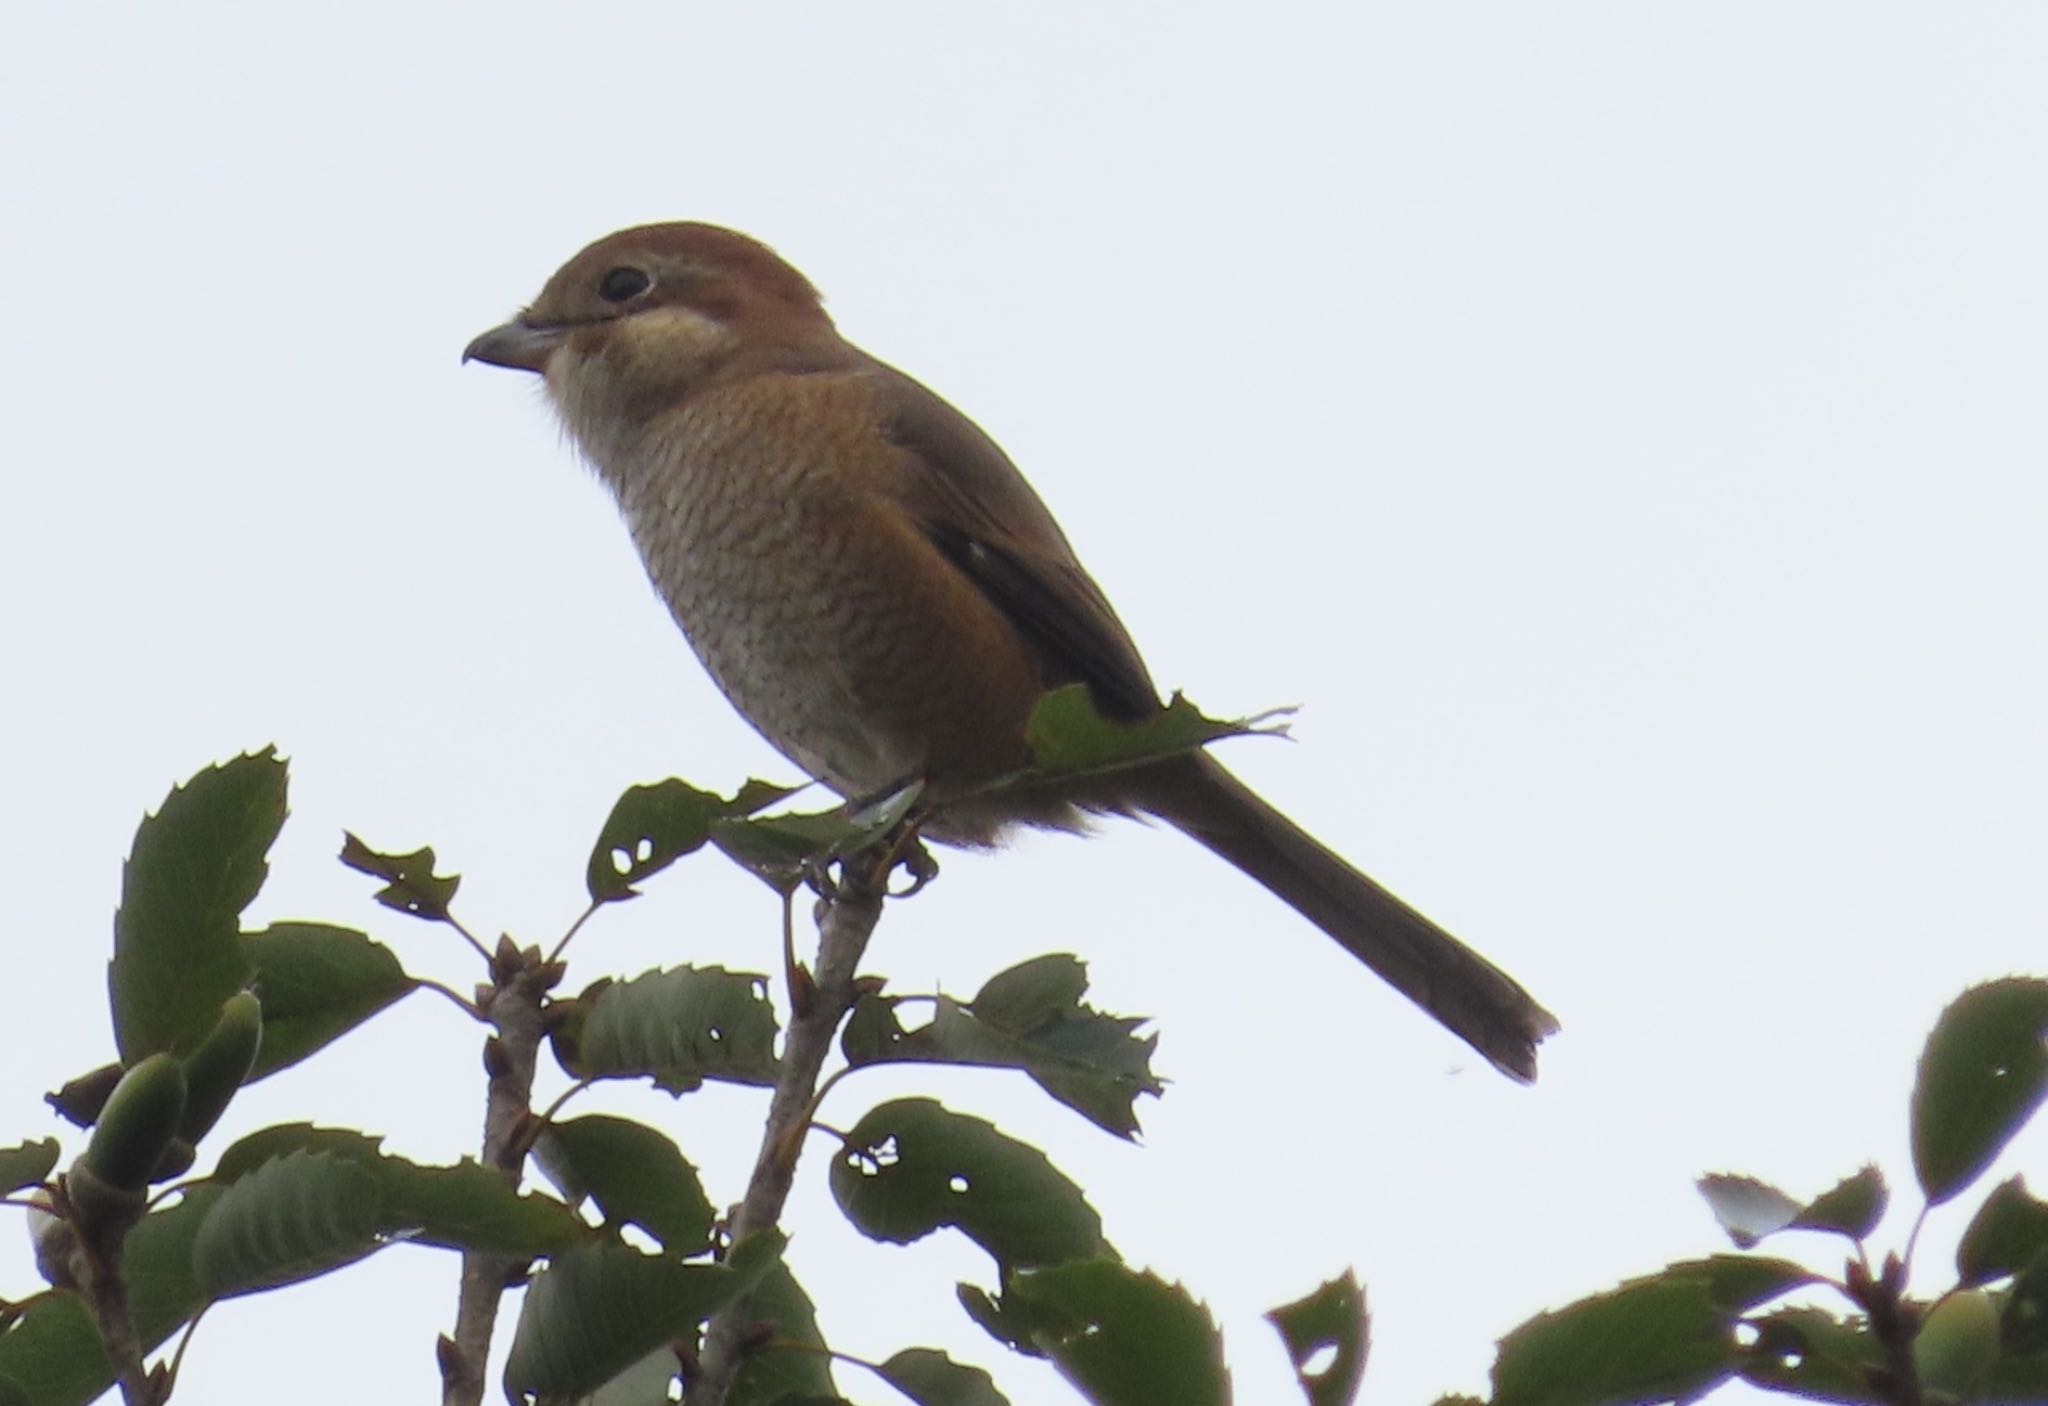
x,y
877,589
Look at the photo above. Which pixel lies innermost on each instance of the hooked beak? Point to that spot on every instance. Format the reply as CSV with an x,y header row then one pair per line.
x,y
518,345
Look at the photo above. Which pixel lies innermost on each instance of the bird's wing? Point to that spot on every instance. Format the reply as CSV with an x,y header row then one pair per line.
x,y
975,506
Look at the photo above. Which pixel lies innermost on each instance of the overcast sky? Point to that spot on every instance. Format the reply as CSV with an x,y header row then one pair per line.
x,y
1620,425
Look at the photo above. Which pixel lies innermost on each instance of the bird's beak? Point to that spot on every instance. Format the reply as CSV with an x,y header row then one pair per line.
x,y
518,345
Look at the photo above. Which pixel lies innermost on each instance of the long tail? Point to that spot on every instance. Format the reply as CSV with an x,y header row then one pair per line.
x,y
1470,996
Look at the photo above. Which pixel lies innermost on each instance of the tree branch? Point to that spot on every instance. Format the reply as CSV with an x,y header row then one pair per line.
x,y
846,919
513,1006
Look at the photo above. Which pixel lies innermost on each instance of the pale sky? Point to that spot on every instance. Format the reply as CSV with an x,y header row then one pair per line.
x,y
1619,425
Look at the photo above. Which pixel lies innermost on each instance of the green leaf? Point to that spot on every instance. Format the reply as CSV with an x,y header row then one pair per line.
x,y
1661,1337
911,1166
1131,1339
779,849
651,827
410,884
52,1353
598,1309
194,867
463,1207
2023,1325
293,1218
1008,1320
80,1100
1330,1323
1092,1062
27,1164
1739,1283
634,1173
12,1394
930,1378
1983,1074
316,983
1812,1353
678,1027
1852,1207
776,1374
1747,1209
1957,1344
645,1383
1069,737
2008,1232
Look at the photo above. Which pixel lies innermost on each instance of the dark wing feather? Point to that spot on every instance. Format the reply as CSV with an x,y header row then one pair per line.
x,y
976,507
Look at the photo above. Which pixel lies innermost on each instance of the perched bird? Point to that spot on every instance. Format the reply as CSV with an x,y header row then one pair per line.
x,y
877,589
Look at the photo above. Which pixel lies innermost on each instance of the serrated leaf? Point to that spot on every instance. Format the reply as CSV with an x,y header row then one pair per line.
x,y
1068,737
780,849
194,866
2009,1230
912,1166
1982,1075
293,1218
27,1164
1093,1062
678,1027
634,1173
464,1207
1331,1321
1653,1339
1036,990
651,827
1739,1283
1747,1209
317,982
1131,1338
1851,1207
1813,1353
598,1309
1010,1322
410,884
930,1378
776,1374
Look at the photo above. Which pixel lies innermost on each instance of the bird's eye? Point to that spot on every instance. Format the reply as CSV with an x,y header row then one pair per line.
x,y
622,284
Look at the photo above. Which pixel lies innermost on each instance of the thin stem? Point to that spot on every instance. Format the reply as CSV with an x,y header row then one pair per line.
x,y
846,919
460,1001
185,1341
574,928
467,936
514,1010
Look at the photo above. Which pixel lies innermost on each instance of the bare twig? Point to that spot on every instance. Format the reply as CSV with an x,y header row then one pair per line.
x,y
846,919
512,1005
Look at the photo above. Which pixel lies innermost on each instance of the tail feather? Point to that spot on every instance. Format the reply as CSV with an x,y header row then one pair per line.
x,y
1468,995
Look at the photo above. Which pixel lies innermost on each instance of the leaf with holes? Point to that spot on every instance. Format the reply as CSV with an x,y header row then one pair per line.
x,y
293,1218
651,827
1130,1339
1747,1209
598,1309
1812,1353
2008,1232
1327,1334
912,1166
1982,1075
634,1173
410,884
194,867
677,1027
1094,1063
316,982
779,849
930,1378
